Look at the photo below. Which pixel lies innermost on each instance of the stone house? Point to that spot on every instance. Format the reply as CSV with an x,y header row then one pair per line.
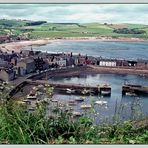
x,y
7,74
4,38
142,64
4,64
26,66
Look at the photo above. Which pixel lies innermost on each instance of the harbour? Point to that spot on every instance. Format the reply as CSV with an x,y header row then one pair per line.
x,y
103,104
84,81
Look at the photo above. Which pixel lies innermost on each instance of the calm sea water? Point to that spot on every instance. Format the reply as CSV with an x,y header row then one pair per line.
x,y
124,50
116,98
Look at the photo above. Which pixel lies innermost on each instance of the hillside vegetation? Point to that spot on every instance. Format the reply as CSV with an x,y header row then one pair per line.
x,y
42,29
20,126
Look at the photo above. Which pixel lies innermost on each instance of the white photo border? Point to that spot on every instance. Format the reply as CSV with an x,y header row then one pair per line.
x,y
74,2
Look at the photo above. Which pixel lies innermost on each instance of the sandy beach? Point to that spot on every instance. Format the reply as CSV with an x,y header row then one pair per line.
x,y
20,45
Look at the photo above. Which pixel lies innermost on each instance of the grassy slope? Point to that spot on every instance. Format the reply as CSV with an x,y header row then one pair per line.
x,y
87,30
69,30
20,127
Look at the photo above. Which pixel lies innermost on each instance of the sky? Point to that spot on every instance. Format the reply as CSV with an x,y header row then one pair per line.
x,y
77,13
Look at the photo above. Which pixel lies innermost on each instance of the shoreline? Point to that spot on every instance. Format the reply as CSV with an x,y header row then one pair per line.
x,y
20,45
78,72
89,70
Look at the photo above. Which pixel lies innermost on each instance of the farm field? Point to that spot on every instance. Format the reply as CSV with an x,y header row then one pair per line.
x,y
44,29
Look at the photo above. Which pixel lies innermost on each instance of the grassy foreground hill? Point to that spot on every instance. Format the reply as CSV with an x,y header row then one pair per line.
x,y
42,29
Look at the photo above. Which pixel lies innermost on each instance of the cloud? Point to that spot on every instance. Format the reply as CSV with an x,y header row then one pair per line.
x,y
81,13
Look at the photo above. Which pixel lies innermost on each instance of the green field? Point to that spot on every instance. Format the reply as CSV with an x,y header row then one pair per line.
x,y
58,30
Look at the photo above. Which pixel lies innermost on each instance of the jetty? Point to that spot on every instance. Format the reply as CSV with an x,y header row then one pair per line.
x,y
75,89
134,89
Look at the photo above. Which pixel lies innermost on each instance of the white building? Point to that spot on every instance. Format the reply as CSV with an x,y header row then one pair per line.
x,y
61,63
108,63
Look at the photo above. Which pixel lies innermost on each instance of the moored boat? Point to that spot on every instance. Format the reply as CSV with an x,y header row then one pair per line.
x,y
72,102
101,102
70,90
77,113
54,100
27,101
130,94
86,106
105,92
32,96
79,99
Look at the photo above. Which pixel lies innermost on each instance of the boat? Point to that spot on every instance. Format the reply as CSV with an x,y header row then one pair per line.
x,y
21,102
130,94
85,91
77,113
105,92
54,100
34,88
101,102
72,102
40,86
27,101
79,99
32,96
31,109
45,100
70,90
69,109
86,106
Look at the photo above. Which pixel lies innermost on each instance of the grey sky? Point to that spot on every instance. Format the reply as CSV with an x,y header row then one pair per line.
x,y
81,13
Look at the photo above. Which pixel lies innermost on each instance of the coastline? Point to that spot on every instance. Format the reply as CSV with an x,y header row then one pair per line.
x,y
20,45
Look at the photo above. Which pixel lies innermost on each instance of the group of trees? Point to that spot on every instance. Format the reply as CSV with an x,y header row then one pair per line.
x,y
35,23
129,31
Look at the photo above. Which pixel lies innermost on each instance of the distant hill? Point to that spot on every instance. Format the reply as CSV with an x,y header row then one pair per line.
x,y
43,29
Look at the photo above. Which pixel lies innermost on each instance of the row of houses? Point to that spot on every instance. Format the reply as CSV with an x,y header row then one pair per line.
x,y
14,65
143,64
22,64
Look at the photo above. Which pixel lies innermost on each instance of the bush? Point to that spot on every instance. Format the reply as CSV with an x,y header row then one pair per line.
x,y
129,31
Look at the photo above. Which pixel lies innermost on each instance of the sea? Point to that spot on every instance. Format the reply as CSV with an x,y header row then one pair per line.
x,y
119,106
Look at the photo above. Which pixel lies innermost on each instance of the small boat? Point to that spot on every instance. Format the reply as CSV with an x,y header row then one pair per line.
x,y
27,101
34,88
101,102
32,96
85,91
69,109
21,102
1,88
130,94
79,99
72,102
104,92
31,109
86,106
39,93
45,100
54,100
40,86
77,113
70,90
